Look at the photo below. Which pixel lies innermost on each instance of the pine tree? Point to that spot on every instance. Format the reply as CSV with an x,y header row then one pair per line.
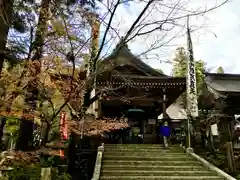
x,y
180,67
220,70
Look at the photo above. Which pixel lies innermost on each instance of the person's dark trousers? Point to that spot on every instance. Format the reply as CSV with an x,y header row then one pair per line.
x,y
160,139
193,141
203,140
184,141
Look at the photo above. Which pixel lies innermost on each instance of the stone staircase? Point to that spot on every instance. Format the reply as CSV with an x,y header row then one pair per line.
x,y
151,162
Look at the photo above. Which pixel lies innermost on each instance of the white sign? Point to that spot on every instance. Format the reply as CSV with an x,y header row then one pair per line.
x,y
214,130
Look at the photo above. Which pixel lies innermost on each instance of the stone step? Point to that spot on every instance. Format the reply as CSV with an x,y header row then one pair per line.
x,y
132,145
155,173
148,167
138,145
150,163
144,146
161,178
147,158
141,153
161,150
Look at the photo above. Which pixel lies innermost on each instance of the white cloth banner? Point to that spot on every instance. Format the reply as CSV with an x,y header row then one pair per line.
x,y
192,102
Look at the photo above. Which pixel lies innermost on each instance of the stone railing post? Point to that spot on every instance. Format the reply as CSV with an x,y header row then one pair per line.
x,y
46,174
97,168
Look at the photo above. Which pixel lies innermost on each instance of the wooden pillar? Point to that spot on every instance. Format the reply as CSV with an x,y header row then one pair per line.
x,y
229,147
164,106
230,157
97,108
230,129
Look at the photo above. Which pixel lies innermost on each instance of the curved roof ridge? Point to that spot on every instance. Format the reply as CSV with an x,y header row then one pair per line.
x,y
125,51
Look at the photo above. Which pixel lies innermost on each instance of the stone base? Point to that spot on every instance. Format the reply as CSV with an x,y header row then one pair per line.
x,y
189,150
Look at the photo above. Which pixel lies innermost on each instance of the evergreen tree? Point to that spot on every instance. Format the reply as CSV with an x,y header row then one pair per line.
x,y
160,70
220,70
180,67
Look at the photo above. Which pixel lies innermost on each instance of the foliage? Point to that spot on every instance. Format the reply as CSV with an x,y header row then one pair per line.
x,y
160,70
12,95
23,19
218,159
25,27
180,67
238,177
93,127
27,166
56,27
24,173
12,126
180,70
50,98
220,70
34,173
40,89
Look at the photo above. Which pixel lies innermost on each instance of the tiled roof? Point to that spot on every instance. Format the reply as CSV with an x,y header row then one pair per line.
x,y
130,58
224,83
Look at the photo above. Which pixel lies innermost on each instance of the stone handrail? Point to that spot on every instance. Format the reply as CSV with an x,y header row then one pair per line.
x,y
210,166
97,168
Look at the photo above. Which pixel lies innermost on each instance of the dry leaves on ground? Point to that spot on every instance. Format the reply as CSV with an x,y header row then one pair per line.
x,y
19,158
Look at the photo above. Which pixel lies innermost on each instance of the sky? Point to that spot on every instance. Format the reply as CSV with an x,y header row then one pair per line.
x,y
216,35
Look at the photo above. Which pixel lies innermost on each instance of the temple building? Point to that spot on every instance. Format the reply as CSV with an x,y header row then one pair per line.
x,y
224,92
132,87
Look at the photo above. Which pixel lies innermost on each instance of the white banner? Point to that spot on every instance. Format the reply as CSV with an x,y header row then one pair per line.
x,y
192,101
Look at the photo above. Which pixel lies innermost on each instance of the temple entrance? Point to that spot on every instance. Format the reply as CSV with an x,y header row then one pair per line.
x,y
136,119
143,126
150,131
128,83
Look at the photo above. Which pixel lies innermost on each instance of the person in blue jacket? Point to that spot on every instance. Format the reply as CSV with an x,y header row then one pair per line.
x,y
165,132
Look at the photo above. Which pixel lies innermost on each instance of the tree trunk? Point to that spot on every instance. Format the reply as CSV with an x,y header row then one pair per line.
x,y
2,124
34,70
71,154
91,71
35,67
26,135
86,102
27,126
41,30
5,21
230,157
46,133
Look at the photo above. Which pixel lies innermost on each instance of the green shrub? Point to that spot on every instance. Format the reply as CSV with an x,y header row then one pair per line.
x,y
33,173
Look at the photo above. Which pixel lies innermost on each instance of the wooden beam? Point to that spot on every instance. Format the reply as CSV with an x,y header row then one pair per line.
x,y
118,102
